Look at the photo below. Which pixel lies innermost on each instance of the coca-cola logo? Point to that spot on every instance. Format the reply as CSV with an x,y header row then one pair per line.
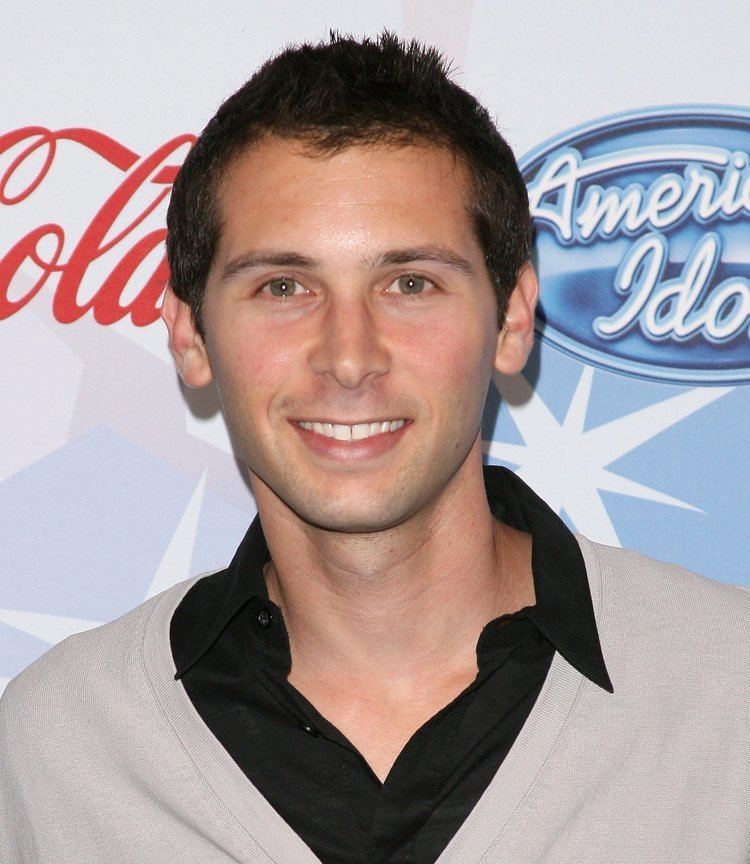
x,y
643,240
118,238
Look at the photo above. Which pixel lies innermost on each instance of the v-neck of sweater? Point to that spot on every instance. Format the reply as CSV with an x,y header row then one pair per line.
x,y
249,816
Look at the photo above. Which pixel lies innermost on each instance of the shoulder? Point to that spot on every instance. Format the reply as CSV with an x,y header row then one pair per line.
x,y
664,618
82,679
627,574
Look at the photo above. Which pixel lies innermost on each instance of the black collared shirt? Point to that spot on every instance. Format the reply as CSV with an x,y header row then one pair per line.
x,y
231,652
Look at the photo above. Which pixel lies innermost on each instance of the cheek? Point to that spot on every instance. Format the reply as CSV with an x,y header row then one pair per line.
x,y
251,367
456,358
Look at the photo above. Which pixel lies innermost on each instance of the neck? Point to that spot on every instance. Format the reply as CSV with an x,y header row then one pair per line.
x,y
392,607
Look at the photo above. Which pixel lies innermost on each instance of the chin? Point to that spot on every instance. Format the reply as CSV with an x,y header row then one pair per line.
x,y
351,507
354,519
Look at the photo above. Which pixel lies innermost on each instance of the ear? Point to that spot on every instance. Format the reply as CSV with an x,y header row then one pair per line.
x,y
185,342
516,338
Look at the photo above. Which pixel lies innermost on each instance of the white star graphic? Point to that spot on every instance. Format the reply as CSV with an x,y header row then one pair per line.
x,y
174,567
175,564
567,466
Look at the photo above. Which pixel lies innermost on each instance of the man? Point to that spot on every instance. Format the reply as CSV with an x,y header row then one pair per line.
x,y
410,658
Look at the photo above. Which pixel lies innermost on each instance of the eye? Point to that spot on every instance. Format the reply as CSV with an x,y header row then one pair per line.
x,y
409,283
283,287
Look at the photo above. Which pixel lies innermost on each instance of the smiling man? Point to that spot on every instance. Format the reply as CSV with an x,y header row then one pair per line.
x,y
410,658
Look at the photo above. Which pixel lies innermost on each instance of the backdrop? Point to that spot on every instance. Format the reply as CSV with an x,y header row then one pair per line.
x,y
633,131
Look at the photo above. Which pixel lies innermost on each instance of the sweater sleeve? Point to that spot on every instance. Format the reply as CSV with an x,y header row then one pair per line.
x,y
16,836
72,729
54,740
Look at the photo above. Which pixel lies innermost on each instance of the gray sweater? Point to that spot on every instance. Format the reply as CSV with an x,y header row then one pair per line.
x,y
103,758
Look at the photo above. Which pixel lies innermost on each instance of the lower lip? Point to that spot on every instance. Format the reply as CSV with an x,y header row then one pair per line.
x,y
349,451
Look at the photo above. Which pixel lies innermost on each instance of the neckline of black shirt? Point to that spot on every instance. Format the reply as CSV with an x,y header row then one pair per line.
x,y
563,612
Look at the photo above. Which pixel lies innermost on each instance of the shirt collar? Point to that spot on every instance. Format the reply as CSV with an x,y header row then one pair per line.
x,y
226,593
563,612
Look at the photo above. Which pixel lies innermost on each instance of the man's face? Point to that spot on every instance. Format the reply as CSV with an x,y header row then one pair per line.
x,y
349,299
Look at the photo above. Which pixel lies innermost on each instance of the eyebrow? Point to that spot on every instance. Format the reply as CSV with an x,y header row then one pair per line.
x,y
434,254
251,260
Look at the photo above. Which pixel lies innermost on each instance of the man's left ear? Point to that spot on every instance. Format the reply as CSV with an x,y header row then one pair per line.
x,y
516,338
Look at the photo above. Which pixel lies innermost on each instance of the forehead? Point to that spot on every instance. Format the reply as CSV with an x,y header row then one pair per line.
x,y
280,190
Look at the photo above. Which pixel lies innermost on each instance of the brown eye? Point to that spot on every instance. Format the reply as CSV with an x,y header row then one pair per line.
x,y
283,287
411,284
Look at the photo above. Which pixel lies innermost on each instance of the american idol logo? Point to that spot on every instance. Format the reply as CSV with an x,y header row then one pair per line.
x,y
643,242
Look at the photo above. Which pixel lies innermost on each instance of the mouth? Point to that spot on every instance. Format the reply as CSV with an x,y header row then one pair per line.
x,y
352,431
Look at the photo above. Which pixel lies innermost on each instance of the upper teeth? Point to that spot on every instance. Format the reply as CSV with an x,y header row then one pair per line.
x,y
343,432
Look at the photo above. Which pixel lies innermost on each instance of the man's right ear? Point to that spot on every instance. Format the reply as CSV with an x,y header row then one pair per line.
x,y
185,342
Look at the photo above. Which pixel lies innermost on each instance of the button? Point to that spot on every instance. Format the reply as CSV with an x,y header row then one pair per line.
x,y
265,618
311,730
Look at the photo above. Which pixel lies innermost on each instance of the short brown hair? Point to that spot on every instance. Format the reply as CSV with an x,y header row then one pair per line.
x,y
333,95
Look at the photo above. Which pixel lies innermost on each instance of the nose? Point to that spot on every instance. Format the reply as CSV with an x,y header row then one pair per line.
x,y
349,345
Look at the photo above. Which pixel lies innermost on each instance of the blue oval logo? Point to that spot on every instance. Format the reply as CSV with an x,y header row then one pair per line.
x,y
643,241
